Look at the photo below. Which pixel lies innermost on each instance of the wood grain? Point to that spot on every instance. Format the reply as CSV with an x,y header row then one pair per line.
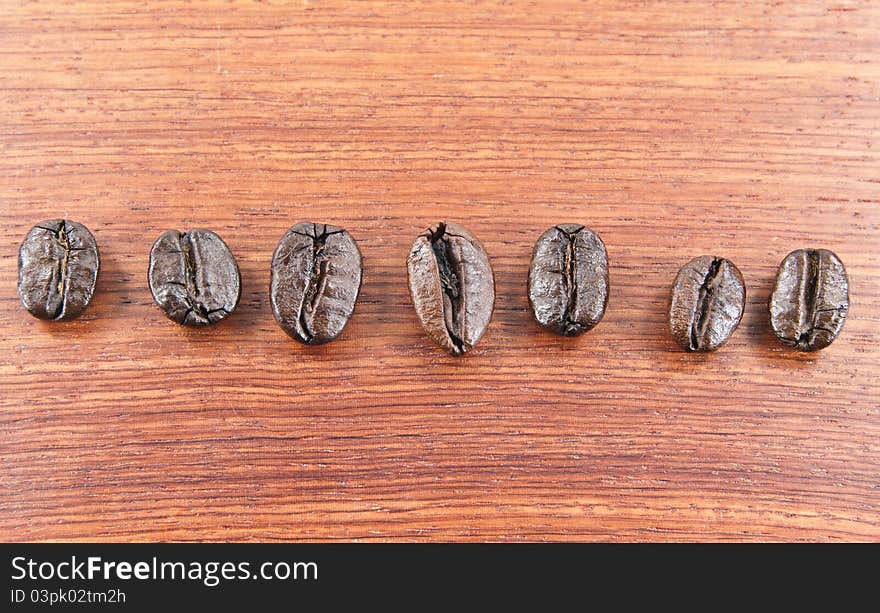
x,y
673,129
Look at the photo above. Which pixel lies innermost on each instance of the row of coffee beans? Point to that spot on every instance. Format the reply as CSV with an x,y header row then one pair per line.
x,y
317,272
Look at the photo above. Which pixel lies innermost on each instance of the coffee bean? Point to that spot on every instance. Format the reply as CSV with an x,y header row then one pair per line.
x,y
194,277
810,300
708,299
316,278
58,266
452,286
568,279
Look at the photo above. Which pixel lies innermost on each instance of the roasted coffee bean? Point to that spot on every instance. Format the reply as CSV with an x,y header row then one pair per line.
x,y
316,278
810,300
568,279
194,277
452,286
57,269
708,299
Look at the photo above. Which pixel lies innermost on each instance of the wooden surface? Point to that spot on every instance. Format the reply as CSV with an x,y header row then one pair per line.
x,y
673,129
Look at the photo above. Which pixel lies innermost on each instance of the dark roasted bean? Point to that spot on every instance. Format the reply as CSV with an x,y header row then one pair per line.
x,y
452,286
568,279
316,278
58,266
810,300
708,298
194,277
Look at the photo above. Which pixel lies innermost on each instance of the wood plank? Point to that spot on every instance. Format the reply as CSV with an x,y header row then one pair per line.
x,y
673,129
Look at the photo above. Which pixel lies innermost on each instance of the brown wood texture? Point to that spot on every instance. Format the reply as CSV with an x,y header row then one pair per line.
x,y
673,129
